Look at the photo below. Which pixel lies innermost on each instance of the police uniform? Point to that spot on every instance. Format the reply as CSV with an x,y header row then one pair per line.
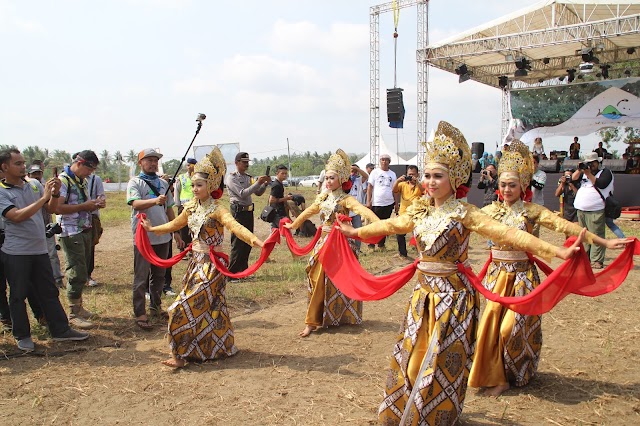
x,y
183,192
240,189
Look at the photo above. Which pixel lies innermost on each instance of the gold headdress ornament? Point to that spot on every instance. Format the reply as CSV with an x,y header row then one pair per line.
x,y
339,163
213,167
450,151
517,160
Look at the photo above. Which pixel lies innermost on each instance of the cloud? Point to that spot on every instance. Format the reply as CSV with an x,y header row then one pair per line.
x,y
343,40
10,21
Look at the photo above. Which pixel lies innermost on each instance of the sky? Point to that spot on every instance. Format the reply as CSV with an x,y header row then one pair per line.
x,y
130,74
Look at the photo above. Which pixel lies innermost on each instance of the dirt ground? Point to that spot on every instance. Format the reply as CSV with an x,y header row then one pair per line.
x,y
588,373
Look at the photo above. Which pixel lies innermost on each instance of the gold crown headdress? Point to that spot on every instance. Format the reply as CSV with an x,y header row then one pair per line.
x,y
449,149
517,159
213,167
339,163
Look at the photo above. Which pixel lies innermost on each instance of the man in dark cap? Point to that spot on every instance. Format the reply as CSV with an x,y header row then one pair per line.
x,y
183,193
76,239
241,186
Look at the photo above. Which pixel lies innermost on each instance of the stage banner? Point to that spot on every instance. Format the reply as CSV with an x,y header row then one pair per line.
x,y
574,109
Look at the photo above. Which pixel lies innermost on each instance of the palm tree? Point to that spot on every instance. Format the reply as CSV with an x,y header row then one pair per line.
x,y
31,153
132,157
117,157
104,162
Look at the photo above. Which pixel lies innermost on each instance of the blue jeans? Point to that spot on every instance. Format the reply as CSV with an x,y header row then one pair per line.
x,y
614,228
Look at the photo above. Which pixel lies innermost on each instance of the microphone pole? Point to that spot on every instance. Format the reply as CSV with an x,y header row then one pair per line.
x,y
200,118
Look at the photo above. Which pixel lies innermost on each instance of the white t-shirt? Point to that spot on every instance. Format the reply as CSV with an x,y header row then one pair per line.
x,y
538,196
587,198
382,190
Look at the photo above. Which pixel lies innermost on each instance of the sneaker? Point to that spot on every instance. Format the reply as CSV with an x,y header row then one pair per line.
x,y
71,334
170,292
80,323
26,344
92,283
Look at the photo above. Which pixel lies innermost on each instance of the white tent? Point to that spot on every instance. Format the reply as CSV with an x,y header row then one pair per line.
x,y
383,149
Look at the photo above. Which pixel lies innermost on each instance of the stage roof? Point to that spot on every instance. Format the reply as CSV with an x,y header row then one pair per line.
x,y
552,35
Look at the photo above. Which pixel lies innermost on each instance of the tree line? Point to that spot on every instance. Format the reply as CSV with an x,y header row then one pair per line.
x,y
302,164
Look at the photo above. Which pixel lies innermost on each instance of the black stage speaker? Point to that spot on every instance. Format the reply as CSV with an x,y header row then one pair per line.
x,y
475,166
618,165
549,166
395,105
570,164
477,148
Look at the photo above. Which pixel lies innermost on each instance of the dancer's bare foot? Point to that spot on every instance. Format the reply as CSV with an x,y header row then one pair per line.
x,y
174,362
496,391
307,330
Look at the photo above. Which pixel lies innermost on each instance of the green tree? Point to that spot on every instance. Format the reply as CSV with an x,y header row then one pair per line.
x,y
31,153
171,166
132,157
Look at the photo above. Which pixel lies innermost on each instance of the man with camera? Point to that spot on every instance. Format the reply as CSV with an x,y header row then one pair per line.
x,y
146,193
408,189
567,189
24,251
380,197
489,182
241,187
76,239
590,204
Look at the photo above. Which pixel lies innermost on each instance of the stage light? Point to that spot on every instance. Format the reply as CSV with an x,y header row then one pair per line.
x,y
546,60
587,56
463,72
503,81
522,65
631,50
571,75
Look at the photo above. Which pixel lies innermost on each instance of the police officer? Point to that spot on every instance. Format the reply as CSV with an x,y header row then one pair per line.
x,y
183,193
240,187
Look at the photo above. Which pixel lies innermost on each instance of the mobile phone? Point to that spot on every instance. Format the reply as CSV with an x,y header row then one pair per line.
x,y
55,171
268,171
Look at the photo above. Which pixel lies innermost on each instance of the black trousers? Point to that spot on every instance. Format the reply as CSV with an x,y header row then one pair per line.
x,y
239,258
402,244
33,273
383,212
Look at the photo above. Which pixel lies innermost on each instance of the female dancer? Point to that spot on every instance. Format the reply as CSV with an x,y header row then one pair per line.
x,y
509,343
199,324
444,304
327,305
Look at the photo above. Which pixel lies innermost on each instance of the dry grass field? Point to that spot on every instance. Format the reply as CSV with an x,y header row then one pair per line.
x,y
588,373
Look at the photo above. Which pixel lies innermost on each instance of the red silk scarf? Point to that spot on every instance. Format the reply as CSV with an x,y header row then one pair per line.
x,y
291,242
146,249
573,276
218,257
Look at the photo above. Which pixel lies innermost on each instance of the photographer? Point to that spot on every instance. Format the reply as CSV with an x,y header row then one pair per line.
x,y
489,182
567,189
409,189
589,203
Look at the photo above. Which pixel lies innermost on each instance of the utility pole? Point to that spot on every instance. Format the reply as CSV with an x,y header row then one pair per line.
x,y
289,157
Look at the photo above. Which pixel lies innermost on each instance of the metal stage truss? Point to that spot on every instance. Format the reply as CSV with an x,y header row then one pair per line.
x,y
374,73
552,36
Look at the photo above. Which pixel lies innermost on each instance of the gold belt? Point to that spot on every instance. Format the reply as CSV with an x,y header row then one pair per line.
x,y
509,255
200,246
444,268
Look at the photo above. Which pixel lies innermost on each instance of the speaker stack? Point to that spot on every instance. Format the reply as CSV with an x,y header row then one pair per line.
x,y
549,166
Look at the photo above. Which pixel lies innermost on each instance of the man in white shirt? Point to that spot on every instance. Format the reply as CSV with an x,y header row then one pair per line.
x,y
590,205
380,197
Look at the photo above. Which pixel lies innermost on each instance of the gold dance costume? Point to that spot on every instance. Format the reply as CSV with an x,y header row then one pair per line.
x,y
443,298
509,343
199,325
327,305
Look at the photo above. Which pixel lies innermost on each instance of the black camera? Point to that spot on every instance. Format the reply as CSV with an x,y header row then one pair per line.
x,y
52,229
583,166
409,178
484,172
567,179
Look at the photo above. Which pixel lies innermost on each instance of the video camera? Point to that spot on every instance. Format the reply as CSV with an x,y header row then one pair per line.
x,y
52,229
583,166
